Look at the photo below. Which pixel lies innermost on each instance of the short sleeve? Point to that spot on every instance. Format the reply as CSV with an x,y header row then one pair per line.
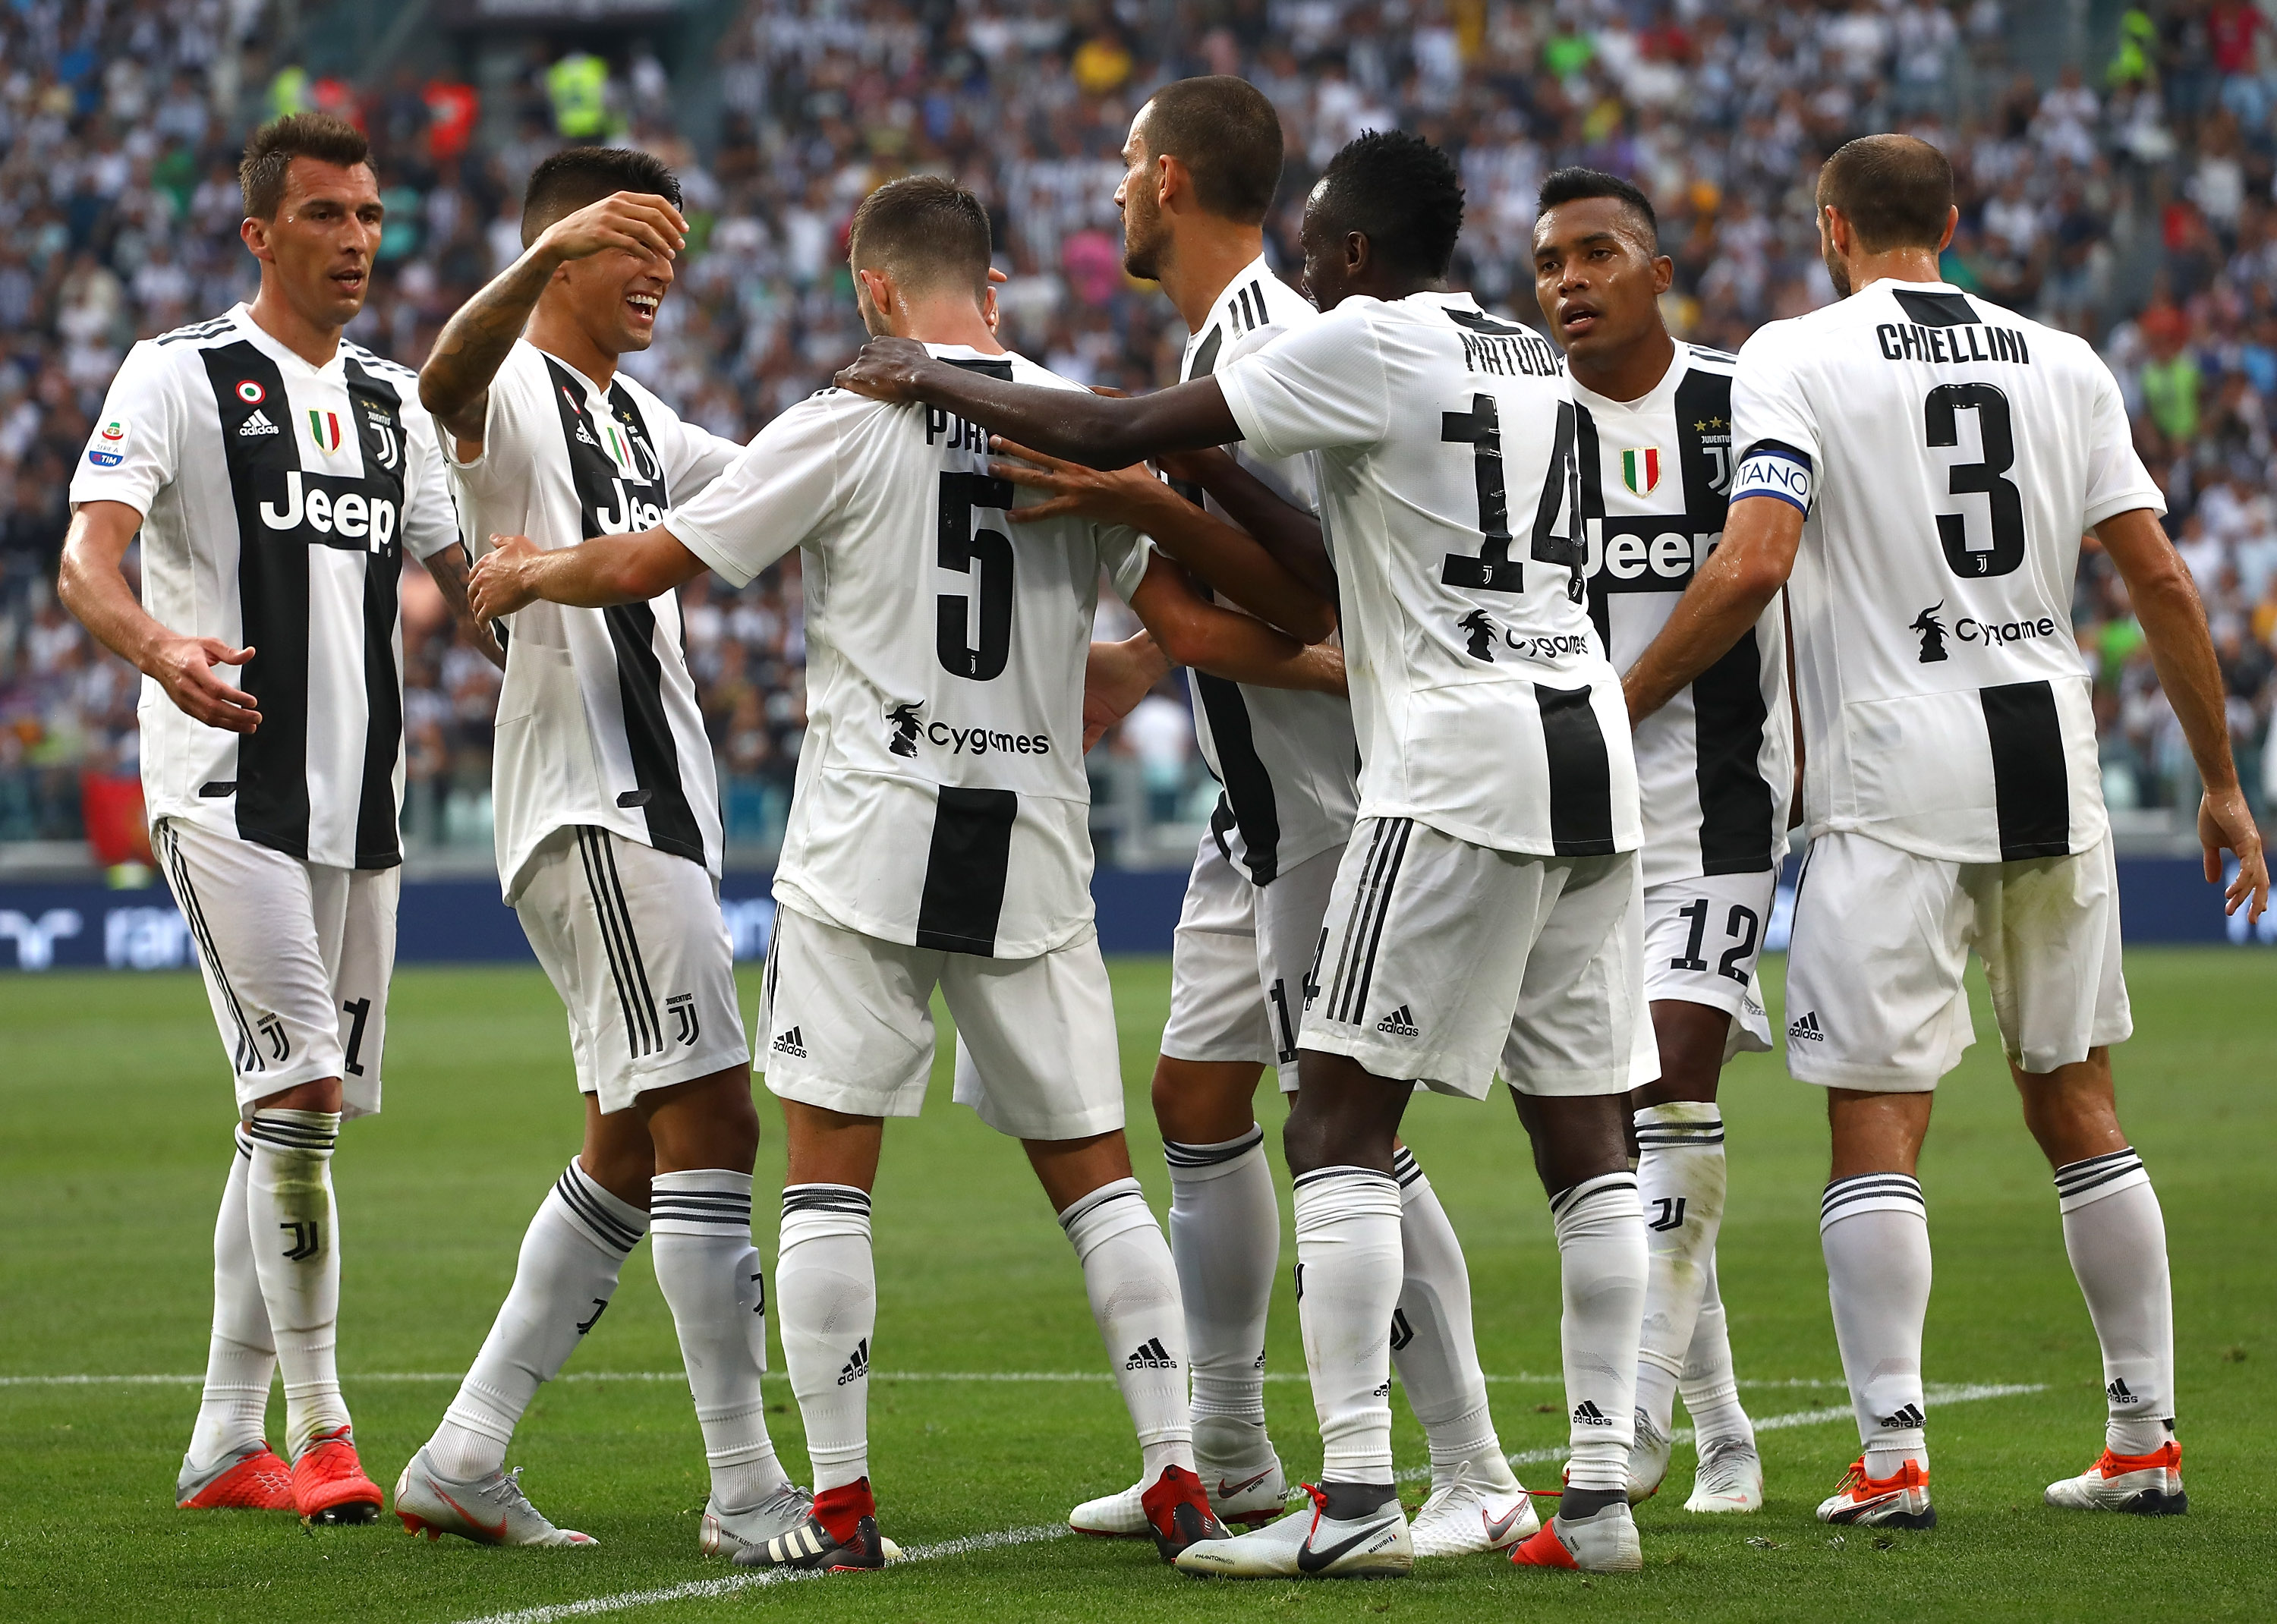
x,y
1774,428
1123,553
2117,482
779,488
430,518
136,447
697,458
1317,386
507,424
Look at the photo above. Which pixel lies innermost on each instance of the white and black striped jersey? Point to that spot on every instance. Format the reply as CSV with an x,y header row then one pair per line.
x,y
597,724
1714,765
1482,698
1286,760
277,500
1947,455
942,799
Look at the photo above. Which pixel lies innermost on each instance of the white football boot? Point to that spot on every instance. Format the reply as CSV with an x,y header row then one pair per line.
x,y
1899,1501
1604,1541
1474,1510
2145,1485
490,1511
1730,1477
1311,1544
1647,1460
1239,1471
726,1532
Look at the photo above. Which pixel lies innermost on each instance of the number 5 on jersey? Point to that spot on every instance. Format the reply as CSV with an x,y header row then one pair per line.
x,y
987,554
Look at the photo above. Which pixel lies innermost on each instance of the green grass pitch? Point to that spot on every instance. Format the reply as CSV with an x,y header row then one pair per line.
x,y
117,1143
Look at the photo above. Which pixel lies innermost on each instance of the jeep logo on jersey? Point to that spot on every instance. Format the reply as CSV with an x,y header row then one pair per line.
x,y
1931,631
1651,553
1641,470
332,510
632,513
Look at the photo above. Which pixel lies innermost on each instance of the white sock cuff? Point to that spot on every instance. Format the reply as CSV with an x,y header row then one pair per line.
x,y
1193,1164
314,1131
820,1211
1871,1192
1329,1194
242,1141
2083,1183
614,1225
1091,1221
1413,1184
1678,1125
704,1200
1592,1202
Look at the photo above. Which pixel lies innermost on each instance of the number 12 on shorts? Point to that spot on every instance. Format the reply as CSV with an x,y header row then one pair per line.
x,y
1741,929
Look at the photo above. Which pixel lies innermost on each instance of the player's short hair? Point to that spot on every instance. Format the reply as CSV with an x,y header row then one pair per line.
x,y
924,230
1896,191
1229,137
1576,183
321,136
577,175
1402,193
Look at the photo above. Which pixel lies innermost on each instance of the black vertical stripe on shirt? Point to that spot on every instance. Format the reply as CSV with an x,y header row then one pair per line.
x,y
272,591
1580,773
377,409
965,870
2031,784
1937,310
1590,468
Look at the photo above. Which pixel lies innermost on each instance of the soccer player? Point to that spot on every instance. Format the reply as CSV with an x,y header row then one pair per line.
x,y
938,836
1922,464
1653,439
277,475
1485,916
1203,160
608,848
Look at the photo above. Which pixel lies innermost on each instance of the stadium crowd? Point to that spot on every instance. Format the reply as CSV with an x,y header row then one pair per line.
x,y
2132,201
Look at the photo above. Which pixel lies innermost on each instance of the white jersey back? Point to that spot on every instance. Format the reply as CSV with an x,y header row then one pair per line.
x,y
277,500
1481,696
942,799
1287,760
1956,452
1715,765
598,723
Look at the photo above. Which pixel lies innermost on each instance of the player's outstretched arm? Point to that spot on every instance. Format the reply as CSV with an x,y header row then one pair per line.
x,y
454,384
606,571
1290,534
450,570
1230,562
1099,431
1192,631
2167,603
93,587
1734,587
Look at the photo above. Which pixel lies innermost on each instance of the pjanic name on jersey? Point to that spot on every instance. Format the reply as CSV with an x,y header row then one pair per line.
x,y
336,509
955,433
1949,346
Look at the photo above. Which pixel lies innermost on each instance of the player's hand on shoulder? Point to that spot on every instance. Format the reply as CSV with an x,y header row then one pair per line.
x,y
636,222
184,666
1118,496
501,581
2226,823
887,369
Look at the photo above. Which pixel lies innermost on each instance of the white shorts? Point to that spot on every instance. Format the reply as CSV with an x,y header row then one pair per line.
x,y
845,1023
1702,939
1218,1010
1874,994
296,958
633,940
1291,918
1449,962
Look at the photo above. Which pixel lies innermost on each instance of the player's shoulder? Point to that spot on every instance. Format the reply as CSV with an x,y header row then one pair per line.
x,y
195,335
1704,358
402,379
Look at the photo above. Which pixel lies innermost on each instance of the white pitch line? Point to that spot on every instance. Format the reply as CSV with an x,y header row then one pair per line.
x,y
1524,1378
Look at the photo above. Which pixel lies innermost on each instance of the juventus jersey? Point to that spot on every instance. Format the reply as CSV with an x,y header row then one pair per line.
x,y
277,500
1714,765
598,724
1287,760
1948,454
942,800
1482,698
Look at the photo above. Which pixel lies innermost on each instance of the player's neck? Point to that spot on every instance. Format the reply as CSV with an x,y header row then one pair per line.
x,y
1898,265
1633,373
274,314
948,321
562,338
1202,261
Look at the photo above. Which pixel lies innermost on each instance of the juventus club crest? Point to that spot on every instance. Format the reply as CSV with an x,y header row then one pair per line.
x,y
1641,470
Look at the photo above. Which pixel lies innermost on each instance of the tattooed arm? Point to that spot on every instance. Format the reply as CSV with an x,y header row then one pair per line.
x,y
454,384
450,569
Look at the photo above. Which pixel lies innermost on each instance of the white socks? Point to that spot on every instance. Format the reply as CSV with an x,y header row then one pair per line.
x,y
1350,1269
292,1223
709,1275
1709,1385
826,1301
1601,1252
1133,1286
1874,1228
241,1356
1225,1233
2117,1239
1680,1185
571,1254
1431,1339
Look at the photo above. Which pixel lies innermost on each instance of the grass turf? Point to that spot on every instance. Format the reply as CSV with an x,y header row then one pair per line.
x,y
117,1144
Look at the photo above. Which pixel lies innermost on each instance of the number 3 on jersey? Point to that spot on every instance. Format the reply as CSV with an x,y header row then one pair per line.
x,y
987,554
1970,559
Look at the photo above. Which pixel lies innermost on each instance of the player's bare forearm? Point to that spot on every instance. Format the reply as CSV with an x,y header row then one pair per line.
x,y
2165,601
93,587
450,569
1236,566
1730,592
599,573
1115,677
1290,534
1194,632
454,385
1099,431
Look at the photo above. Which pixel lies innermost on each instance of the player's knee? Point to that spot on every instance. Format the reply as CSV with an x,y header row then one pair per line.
x,y
1202,1102
1691,1038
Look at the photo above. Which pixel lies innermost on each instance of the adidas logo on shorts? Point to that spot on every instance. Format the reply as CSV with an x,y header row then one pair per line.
x,y
1586,1413
858,1366
254,427
1151,1355
1805,1027
1400,1024
790,1044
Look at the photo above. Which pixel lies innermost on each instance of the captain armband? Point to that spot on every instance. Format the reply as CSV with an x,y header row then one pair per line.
x,y
1772,468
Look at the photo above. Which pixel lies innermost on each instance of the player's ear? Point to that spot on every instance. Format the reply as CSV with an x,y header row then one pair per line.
x,y
255,234
1952,221
1663,273
1171,180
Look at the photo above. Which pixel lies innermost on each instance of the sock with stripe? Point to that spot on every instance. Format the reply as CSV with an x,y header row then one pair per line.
x,y
1601,1262
1225,1235
710,1274
293,1221
241,1357
1133,1286
1350,1268
2117,1237
1680,1186
1874,1229
826,1303
571,1254
1431,1340
1709,1385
